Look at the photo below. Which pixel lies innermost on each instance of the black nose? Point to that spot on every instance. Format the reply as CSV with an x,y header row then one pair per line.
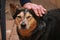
x,y
23,25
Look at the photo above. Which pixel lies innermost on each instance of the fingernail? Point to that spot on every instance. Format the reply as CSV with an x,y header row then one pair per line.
x,y
43,12
37,15
41,15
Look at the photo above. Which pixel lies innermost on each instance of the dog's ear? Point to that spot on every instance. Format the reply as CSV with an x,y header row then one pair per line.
x,y
13,8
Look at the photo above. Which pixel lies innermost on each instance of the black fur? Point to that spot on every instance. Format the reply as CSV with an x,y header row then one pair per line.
x,y
50,31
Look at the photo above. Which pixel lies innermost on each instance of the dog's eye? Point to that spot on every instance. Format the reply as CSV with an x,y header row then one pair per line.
x,y
19,16
28,17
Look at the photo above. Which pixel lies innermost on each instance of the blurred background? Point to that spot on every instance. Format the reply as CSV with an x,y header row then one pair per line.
x,y
11,34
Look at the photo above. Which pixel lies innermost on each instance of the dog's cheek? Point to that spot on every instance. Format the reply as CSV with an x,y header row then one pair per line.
x,y
17,21
29,22
33,23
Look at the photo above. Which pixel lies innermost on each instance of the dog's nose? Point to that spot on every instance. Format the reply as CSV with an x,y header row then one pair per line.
x,y
23,25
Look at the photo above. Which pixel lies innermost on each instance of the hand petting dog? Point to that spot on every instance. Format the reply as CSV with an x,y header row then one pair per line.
x,y
38,9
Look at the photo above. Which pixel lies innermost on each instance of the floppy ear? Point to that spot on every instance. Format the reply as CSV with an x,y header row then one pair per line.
x,y
13,8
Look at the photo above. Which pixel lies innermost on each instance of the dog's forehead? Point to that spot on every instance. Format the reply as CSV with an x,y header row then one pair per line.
x,y
28,14
22,13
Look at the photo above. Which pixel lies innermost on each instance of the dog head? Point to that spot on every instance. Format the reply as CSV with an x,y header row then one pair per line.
x,y
25,20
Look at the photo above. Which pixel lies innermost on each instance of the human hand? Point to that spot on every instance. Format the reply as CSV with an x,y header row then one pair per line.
x,y
38,9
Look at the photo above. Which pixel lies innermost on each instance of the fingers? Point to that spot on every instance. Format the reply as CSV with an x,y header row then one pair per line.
x,y
36,12
34,8
43,10
38,9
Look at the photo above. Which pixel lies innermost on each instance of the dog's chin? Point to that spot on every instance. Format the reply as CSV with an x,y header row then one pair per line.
x,y
21,28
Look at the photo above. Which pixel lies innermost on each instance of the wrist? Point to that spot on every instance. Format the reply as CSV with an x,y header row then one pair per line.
x,y
29,3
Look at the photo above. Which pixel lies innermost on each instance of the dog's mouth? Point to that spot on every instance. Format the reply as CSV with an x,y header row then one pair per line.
x,y
23,26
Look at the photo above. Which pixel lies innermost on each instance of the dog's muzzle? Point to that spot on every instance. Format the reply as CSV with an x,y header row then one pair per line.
x,y
23,25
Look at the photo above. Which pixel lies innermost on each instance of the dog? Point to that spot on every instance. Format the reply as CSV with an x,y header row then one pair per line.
x,y
31,27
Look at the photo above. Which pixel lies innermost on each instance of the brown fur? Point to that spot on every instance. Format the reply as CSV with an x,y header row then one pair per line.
x,y
32,22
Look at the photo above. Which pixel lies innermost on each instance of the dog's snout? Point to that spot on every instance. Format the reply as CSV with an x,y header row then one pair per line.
x,y
23,25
